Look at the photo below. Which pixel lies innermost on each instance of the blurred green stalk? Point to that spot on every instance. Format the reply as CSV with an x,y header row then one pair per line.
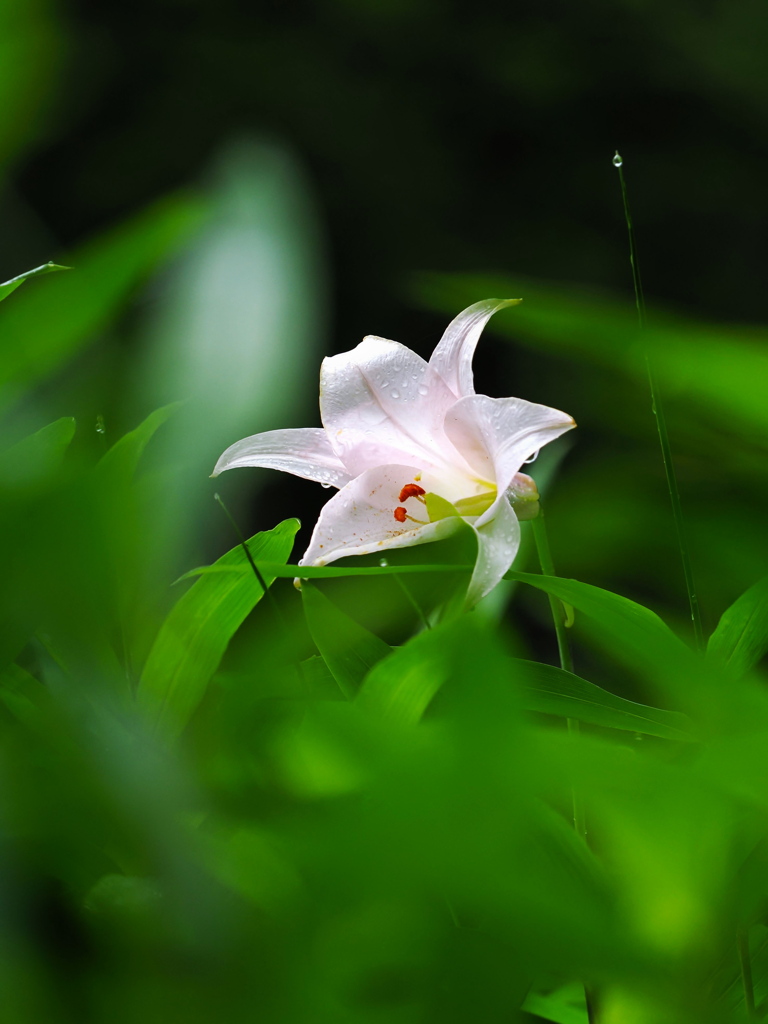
x,y
661,423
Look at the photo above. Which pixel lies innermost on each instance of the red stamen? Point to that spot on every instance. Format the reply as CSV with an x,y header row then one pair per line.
x,y
401,514
411,491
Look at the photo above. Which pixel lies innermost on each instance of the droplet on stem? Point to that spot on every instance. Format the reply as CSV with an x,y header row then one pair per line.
x,y
617,161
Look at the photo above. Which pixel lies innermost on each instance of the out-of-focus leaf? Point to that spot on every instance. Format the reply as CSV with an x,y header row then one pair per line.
x,y
348,649
198,629
35,456
123,457
10,286
731,362
238,331
741,637
556,692
21,693
42,331
561,1007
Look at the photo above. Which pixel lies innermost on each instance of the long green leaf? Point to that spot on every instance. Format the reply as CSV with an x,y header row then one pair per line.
x,y
10,286
632,629
348,649
741,637
194,636
327,572
555,692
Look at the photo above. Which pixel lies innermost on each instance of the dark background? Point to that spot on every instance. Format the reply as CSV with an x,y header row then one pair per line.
x,y
438,135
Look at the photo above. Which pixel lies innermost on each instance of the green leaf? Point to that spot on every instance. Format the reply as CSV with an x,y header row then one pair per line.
x,y
40,332
35,456
633,633
741,637
10,286
194,636
124,455
566,1006
402,686
327,572
555,692
348,649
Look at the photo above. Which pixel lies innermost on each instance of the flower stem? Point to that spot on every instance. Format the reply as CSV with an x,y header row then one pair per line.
x,y
661,423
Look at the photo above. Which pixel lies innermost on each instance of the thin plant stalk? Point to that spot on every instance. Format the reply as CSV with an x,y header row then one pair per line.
x,y
745,963
559,617
661,423
263,584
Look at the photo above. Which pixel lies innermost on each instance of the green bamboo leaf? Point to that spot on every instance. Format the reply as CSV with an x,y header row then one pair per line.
x,y
36,455
555,692
10,286
741,637
348,649
194,636
327,572
124,455
632,630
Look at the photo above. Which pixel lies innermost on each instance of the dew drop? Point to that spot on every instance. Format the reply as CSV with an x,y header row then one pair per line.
x,y
532,457
100,427
384,384
383,563
325,484
617,161
423,389
395,394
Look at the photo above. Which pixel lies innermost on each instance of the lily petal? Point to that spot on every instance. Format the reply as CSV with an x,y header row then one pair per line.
x,y
497,435
382,403
498,536
452,358
305,452
360,519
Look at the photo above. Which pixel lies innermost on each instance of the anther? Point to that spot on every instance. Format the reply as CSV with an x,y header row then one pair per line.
x,y
411,491
401,515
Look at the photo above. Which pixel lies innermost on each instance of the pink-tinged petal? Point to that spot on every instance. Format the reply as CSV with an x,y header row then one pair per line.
x,y
452,358
497,435
381,403
304,452
498,537
360,519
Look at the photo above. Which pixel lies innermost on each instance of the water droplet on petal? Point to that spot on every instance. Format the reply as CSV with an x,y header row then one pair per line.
x,y
395,394
423,389
617,161
385,384
325,484
532,457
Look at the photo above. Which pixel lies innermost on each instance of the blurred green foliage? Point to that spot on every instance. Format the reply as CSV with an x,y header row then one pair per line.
x,y
339,805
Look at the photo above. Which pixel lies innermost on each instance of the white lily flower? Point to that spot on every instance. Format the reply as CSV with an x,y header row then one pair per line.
x,y
413,451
